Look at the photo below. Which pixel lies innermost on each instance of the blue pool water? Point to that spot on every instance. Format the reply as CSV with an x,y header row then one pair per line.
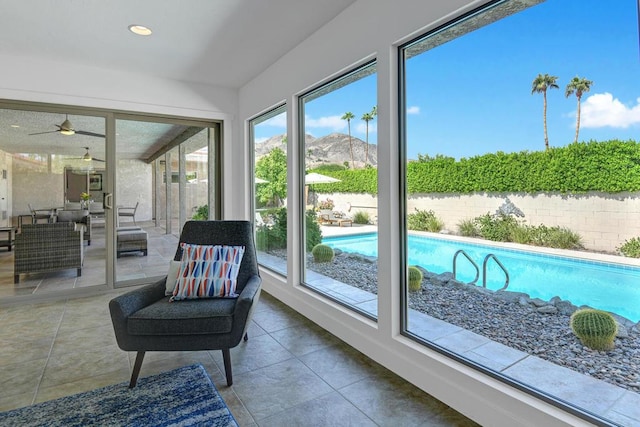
x,y
606,286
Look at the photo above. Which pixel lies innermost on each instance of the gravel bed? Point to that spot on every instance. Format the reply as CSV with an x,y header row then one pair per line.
x,y
539,328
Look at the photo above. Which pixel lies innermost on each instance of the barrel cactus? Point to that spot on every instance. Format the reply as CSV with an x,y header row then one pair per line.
x,y
415,278
595,328
322,253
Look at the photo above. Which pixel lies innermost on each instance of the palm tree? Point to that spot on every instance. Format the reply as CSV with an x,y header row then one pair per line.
x,y
578,85
367,117
373,114
348,116
540,85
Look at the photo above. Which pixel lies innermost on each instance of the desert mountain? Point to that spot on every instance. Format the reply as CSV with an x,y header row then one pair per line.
x,y
332,148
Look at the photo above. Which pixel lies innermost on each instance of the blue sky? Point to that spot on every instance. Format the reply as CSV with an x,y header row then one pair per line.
x,y
472,95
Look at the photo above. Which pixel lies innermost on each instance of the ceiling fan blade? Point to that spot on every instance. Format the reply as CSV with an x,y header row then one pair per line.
x,y
97,160
82,132
42,133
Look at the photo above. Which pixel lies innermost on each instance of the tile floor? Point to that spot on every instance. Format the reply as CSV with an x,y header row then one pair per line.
x,y
290,372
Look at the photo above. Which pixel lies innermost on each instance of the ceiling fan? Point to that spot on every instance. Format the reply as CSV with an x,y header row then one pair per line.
x,y
88,158
66,128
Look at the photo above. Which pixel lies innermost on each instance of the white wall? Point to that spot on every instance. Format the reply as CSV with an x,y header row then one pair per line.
x,y
29,79
368,29
137,190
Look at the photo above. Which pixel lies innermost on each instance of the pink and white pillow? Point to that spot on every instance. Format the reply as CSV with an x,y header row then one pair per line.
x,y
208,271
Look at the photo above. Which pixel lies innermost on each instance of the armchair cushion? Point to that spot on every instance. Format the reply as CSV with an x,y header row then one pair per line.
x,y
208,271
193,317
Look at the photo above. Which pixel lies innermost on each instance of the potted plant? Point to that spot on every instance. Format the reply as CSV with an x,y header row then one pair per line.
x,y
85,199
325,205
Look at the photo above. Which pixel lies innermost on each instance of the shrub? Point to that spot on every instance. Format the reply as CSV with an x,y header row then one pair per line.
x,y
322,253
313,232
415,279
269,237
273,236
468,228
551,237
521,234
561,237
361,217
424,221
630,248
201,213
595,328
498,228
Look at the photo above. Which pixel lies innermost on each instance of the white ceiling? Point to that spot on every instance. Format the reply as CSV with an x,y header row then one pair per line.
x,y
24,131
217,42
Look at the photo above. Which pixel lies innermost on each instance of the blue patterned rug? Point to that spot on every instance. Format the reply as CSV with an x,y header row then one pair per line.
x,y
182,397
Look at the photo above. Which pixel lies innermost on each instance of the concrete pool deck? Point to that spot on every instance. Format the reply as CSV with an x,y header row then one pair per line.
x,y
603,399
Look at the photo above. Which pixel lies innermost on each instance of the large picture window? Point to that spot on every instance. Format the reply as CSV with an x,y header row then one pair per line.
x,y
513,236
339,153
269,136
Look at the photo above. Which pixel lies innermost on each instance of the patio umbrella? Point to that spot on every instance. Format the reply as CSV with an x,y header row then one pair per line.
x,y
316,178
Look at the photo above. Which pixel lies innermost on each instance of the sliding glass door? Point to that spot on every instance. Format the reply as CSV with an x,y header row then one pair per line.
x,y
65,167
162,181
52,173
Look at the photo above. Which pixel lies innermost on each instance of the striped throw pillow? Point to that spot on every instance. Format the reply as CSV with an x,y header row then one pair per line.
x,y
208,271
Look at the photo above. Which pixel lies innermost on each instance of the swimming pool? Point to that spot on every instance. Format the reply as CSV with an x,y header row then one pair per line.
x,y
602,285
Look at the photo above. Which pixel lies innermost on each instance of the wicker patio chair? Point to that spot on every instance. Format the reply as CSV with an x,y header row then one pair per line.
x,y
41,248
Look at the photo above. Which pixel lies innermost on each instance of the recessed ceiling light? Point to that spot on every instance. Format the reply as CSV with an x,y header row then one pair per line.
x,y
140,30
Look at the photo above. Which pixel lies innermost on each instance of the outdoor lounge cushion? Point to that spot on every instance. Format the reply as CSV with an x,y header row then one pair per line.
x,y
71,215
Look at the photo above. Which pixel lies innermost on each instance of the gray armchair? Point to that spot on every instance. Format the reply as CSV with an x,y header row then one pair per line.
x,y
145,319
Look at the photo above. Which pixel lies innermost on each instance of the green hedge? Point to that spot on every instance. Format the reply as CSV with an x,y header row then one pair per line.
x,y
351,181
609,166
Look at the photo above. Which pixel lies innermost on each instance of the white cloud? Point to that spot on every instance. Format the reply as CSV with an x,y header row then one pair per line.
x,y
278,121
362,128
333,122
601,109
414,109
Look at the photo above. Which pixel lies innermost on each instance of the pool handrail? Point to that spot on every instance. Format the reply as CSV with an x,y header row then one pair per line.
x,y
484,271
466,255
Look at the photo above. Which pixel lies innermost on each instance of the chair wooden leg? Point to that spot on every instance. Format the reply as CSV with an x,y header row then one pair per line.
x,y
226,356
136,369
